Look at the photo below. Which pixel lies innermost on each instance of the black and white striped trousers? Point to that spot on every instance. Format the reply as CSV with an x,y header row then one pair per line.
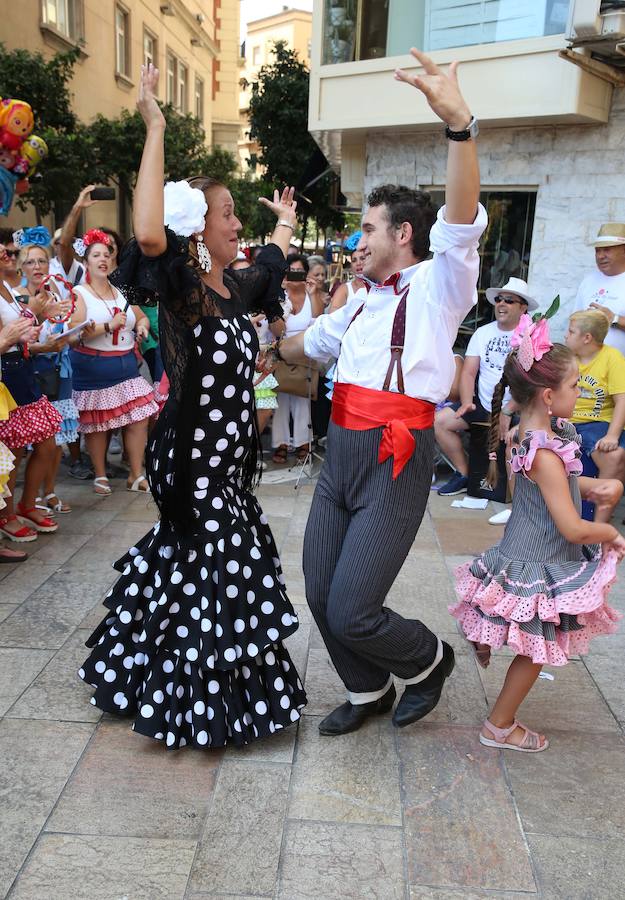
x,y
359,531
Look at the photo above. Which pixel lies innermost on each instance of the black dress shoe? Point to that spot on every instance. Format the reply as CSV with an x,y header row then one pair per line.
x,y
420,699
349,717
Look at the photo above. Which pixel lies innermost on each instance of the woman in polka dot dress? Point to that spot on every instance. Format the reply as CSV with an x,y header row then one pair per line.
x,y
192,647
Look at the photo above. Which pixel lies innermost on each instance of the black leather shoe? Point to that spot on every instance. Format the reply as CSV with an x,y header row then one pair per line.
x,y
420,699
349,717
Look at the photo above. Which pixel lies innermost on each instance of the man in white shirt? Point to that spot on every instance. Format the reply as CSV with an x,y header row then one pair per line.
x,y
604,288
485,357
395,362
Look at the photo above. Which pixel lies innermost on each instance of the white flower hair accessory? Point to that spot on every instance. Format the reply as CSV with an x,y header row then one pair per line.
x,y
185,208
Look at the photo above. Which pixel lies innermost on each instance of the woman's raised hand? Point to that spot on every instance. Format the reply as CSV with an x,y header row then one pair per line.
x,y
283,205
146,103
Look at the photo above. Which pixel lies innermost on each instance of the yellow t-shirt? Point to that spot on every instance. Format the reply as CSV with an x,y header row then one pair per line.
x,y
599,380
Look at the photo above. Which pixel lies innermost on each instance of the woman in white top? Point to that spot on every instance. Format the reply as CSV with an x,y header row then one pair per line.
x,y
346,291
108,390
288,404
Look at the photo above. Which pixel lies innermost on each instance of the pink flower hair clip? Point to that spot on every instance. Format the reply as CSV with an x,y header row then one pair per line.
x,y
531,338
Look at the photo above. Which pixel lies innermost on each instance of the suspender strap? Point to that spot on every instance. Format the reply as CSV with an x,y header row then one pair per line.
x,y
398,338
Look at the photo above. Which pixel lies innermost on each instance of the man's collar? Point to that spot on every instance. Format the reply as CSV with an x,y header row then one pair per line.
x,y
398,280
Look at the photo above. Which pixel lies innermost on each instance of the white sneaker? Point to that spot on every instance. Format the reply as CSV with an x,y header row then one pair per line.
x,y
500,518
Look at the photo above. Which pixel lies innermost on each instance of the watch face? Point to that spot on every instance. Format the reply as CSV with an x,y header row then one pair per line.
x,y
474,128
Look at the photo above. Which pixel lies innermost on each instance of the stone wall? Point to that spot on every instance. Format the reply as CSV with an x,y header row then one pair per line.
x,y
578,171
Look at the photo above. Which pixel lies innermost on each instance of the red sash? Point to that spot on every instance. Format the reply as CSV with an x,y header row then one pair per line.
x,y
361,409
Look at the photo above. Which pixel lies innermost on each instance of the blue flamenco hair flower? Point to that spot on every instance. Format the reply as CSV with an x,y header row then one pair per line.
x,y
352,241
37,234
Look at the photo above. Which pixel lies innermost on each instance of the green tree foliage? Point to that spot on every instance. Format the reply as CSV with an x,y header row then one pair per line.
x,y
108,151
279,124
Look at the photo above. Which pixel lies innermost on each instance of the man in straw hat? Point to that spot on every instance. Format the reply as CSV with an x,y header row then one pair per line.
x,y
604,288
486,354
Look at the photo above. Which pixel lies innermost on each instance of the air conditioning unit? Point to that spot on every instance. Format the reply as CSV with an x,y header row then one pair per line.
x,y
598,26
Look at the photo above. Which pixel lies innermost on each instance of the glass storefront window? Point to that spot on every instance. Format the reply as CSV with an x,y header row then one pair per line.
x,y
369,29
504,248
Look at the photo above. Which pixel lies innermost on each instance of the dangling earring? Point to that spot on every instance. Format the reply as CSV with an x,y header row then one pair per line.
x,y
203,254
549,411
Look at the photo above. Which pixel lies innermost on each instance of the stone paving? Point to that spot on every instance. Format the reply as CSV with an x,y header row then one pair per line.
x,y
88,809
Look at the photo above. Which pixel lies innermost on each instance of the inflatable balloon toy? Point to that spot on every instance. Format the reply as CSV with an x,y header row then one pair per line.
x,y
34,150
16,123
8,183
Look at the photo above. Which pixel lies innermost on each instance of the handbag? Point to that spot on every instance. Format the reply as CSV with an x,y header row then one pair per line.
x,y
49,380
296,380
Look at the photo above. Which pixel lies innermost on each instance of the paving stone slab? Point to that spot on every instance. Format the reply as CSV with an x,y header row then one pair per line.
x,y
353,778
327,861
160,793
83,867
571,702
46,620
239,850
576,787
608,673
453,837
57,692
6,609
37,759
18,668
324,688
427,892
578,869
25,579
56,549
277,748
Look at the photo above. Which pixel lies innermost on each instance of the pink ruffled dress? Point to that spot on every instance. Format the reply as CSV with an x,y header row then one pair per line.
x,y
536,592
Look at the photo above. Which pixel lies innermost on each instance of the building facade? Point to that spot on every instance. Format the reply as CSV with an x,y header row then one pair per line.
x,y
194,43
294,27
552,129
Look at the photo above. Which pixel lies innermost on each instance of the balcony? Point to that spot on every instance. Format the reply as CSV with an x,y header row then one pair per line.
x,y
511,73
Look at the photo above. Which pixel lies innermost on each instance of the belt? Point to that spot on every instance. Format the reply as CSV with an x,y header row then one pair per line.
x,y
361,409
93,351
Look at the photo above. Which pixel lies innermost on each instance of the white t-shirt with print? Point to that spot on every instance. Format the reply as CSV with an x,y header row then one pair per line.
x,y
492,345
608,290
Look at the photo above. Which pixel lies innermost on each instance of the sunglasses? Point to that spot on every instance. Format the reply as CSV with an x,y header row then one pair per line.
x,y
509,301
13,253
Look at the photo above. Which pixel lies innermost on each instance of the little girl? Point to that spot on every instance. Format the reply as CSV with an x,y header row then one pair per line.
x,y
543,589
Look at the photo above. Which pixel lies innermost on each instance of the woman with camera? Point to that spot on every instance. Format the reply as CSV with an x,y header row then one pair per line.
x,y
290,405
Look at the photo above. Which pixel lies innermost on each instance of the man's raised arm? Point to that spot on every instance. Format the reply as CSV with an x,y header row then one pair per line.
x,y
442,92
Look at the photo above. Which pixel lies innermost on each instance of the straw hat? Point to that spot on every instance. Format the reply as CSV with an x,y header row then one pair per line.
x,y
513,286
612,234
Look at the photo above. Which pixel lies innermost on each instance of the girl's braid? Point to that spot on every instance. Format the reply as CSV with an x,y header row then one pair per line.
x,y
492,475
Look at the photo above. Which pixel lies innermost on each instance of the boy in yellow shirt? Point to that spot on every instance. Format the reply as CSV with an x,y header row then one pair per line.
x,y
599,414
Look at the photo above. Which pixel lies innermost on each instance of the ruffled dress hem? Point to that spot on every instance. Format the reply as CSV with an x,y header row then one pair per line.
x,y
30,424
104,409
488,614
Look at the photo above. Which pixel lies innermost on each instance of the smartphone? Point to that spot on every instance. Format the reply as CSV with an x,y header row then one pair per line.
x,y
103,193
295,275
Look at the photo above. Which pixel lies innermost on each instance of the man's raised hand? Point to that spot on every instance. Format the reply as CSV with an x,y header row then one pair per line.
x,y
440,89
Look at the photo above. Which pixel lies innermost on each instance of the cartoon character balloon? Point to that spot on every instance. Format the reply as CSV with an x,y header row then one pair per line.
x,y
20,150
16,123
34,149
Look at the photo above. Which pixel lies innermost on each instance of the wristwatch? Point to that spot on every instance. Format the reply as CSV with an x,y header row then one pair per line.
x,y
615,319
469,133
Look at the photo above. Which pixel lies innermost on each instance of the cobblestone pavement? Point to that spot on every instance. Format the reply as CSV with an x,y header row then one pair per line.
x,y
88,809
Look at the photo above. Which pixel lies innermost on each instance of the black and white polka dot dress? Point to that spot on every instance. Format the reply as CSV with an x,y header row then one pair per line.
x,y
192,647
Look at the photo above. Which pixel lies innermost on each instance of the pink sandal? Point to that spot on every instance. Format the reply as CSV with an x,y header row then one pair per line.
x,y
529,744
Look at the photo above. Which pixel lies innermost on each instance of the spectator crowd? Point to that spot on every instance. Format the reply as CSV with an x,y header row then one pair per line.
x,y
82,373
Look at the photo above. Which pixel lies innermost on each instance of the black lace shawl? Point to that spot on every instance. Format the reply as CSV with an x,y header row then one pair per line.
x,y
183,299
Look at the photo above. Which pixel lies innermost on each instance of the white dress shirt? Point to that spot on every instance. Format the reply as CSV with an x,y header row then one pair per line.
x,y
442,291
